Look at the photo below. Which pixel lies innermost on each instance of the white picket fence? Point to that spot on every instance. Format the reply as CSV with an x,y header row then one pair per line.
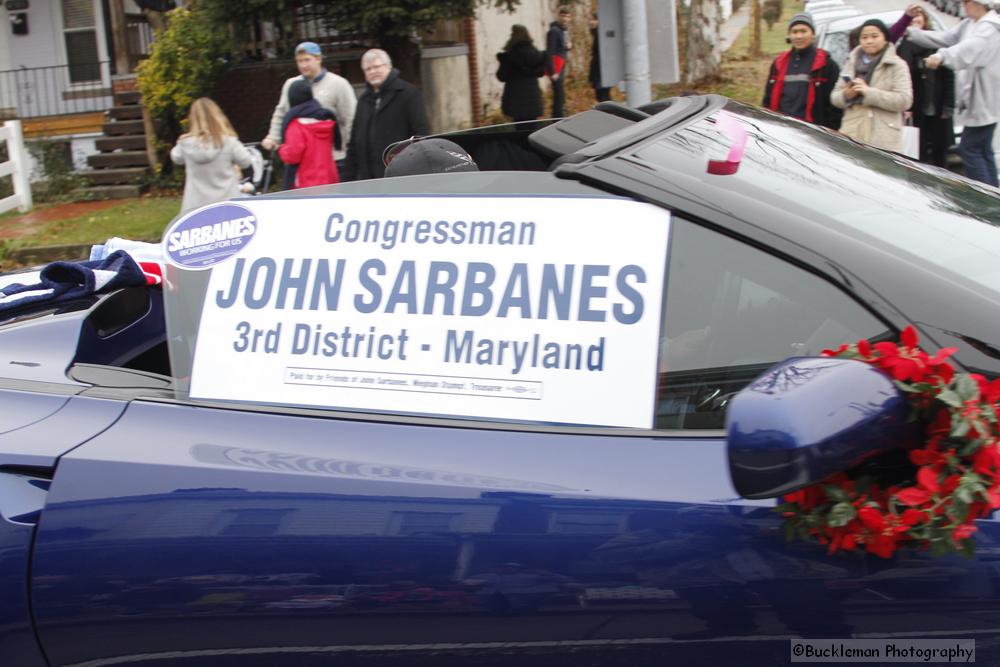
x,y
16,167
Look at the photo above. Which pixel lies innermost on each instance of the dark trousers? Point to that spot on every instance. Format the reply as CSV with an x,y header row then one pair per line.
x,y
936,137
603,94
558,96
976,149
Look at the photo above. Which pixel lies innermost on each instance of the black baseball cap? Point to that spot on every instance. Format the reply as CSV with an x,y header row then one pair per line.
x,y
430,156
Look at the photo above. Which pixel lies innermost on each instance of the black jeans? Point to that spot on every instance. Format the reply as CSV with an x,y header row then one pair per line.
x,y
559,96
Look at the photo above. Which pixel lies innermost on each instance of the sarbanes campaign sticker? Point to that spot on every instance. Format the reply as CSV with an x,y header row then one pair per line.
x,y
208,236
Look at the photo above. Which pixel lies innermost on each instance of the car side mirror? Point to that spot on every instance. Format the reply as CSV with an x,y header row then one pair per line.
x,y
808,418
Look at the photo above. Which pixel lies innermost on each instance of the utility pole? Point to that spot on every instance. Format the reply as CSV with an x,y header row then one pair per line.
x,y
637,83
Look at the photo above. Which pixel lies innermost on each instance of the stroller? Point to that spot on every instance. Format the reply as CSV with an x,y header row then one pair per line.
x,y
257,177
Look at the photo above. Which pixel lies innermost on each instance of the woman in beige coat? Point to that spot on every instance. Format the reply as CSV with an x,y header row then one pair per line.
x,y
874,90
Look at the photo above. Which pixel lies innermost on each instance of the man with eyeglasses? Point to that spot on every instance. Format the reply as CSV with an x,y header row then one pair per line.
x,y
390,110
972,49
333,92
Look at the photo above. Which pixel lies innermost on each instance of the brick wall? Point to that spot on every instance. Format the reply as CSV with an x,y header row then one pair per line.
x,y
249,92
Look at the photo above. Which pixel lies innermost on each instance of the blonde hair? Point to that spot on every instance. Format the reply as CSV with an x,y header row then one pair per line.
x,y
208,124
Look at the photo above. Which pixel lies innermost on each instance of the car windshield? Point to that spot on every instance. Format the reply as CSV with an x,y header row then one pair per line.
x,y
887,200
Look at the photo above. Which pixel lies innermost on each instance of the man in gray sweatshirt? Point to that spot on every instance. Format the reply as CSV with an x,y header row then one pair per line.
x,y
972,49
332,91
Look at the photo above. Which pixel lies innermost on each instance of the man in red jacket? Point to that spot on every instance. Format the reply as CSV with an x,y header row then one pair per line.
x,y
802,78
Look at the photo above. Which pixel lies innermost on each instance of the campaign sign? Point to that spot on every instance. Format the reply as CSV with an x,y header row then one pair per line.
x,y
209,235
542,309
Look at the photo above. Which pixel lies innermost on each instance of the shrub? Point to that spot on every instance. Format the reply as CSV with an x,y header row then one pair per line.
x,y
771,12
55,162
186,61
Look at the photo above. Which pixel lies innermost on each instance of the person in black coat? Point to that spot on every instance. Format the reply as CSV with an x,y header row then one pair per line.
x,y
603,93
933,97
520,66
390,110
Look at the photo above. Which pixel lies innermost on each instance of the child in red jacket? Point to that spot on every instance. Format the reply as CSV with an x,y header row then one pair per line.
x,y
308,135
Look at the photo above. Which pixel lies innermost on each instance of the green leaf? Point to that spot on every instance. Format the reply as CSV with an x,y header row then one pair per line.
x,y
965,494
959,427
841,514
949,397
836,493
966,449
966,387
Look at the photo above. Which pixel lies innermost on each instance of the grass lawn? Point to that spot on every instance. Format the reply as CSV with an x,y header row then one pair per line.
x,y
141,219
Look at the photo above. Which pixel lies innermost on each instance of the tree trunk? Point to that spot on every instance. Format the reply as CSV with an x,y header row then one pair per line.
x,y
704,53
405,54
755,21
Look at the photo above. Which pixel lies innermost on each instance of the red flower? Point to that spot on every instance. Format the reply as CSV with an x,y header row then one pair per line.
x,y
913,496
963,530
986,458
882,544
990,392
872,518
927,478
908,337
928,504
950,483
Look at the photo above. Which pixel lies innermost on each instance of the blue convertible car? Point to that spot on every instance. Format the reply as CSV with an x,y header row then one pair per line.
x,y
479,418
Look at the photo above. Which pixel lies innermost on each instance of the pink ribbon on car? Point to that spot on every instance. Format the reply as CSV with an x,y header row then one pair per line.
x,y
727,125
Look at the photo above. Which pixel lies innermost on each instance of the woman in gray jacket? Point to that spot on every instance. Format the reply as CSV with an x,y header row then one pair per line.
x,y
210,153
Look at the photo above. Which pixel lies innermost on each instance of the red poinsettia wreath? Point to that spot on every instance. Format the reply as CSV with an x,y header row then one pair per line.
x,y
934,497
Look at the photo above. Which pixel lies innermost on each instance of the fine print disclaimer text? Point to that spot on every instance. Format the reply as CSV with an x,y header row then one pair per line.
x,y
883,650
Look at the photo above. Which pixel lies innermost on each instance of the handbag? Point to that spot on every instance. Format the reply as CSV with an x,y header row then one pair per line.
x,y
910,145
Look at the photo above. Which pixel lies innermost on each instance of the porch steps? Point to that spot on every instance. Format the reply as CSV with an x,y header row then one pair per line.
x,y
111,192
119,127
118,159
123,142
129,98
121,164
130,112
112,176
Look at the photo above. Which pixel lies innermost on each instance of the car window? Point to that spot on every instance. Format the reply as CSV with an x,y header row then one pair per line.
x,y
731,311
836,44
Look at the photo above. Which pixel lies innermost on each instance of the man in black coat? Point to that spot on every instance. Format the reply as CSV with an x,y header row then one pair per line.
x,y
390,110
603,93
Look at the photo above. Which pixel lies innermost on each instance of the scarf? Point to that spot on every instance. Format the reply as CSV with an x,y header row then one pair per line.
x,y
308,109
866,69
